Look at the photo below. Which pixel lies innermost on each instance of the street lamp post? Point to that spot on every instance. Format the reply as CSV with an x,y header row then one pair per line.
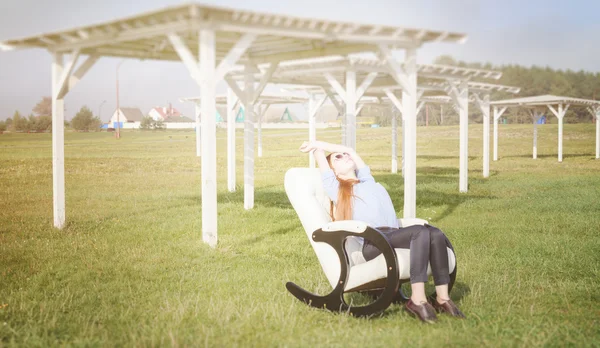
x,y
118,133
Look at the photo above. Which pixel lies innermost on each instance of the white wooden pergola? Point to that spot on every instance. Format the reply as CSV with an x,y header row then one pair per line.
x,y
222,38
479,94
459,88
558,105
231,102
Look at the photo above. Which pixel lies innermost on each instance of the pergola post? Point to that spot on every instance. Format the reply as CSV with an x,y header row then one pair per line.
x,y
314,104
312,132
248,138
497,115
560,114
206,74
207,55
350,102
63,81
484,105
396,106
262,110
460,95
535,116
58,144
231,103
394,140
198,131
598,133
409,104
595,111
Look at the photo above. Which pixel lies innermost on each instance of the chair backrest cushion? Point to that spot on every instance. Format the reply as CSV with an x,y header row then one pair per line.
x,y
304,188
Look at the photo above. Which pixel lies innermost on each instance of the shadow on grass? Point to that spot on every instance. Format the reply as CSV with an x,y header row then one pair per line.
x,y
550,156
426,197
459,291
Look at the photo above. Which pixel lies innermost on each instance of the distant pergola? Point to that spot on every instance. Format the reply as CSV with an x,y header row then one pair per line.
x,y
479,94
222,37
379,78
535,106
230,101
459,88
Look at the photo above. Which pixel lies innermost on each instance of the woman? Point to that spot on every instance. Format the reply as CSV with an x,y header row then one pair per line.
x,y
350,185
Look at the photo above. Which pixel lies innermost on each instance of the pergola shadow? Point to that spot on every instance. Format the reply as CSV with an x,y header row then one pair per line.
x,y
426,197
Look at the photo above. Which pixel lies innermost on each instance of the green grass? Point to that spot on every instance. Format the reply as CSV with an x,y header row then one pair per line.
x,y
130,268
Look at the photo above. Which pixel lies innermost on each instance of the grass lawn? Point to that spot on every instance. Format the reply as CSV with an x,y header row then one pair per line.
x,y
130,268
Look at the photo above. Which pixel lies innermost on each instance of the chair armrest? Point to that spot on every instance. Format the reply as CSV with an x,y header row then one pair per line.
x,y
411,221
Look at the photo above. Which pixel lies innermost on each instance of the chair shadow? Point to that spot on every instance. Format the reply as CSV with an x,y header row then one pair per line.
x,y
459,291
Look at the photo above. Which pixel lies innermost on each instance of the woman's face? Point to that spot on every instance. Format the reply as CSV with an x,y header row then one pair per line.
x,y
342,163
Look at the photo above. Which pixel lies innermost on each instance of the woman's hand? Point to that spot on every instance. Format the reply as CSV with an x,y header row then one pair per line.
x,y
307,147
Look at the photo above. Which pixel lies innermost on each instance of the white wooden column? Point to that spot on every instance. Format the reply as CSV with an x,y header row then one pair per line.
x,y
198,131
484,106
598,133
409,104
312,132
595,111
62,82
464,137
351,109
460,95
314,104
58,144
394,140
207,55
535,116
396,108
497,115
207,74
231,103
560,114
262,110
248,138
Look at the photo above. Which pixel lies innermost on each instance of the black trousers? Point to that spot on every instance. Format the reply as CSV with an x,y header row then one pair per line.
x,y
427,244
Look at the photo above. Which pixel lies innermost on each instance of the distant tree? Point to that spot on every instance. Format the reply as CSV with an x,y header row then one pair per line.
x,y
2,126
43,124
147,123
160,125
84,120
19,123
8,122
445,60
67,124
44,107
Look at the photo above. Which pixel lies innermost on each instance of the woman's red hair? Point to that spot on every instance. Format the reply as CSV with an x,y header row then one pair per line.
x,y
343,208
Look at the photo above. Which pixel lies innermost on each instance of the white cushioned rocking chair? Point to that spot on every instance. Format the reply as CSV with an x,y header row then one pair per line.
x,y
341,257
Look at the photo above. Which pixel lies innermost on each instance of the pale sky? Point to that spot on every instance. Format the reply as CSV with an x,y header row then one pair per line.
x,y
559,34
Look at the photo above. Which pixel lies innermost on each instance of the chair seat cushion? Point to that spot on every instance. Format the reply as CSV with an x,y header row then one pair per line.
x,y
367,272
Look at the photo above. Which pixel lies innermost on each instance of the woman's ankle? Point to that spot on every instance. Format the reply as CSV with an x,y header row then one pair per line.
x,y
442,300
418,300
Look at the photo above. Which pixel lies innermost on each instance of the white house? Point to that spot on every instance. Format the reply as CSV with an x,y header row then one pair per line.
x,y
127,118
160,113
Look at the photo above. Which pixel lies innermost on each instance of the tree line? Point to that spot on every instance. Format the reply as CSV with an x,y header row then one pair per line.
x,y
535,81
40,120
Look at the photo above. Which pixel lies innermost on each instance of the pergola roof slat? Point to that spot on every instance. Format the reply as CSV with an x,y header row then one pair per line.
x,y
304,36
543,100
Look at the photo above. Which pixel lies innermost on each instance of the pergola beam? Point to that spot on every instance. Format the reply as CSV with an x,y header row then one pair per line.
x,y
186,57
234,55
62,84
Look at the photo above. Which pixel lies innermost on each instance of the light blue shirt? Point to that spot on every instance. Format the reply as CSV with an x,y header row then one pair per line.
x,y
372,203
